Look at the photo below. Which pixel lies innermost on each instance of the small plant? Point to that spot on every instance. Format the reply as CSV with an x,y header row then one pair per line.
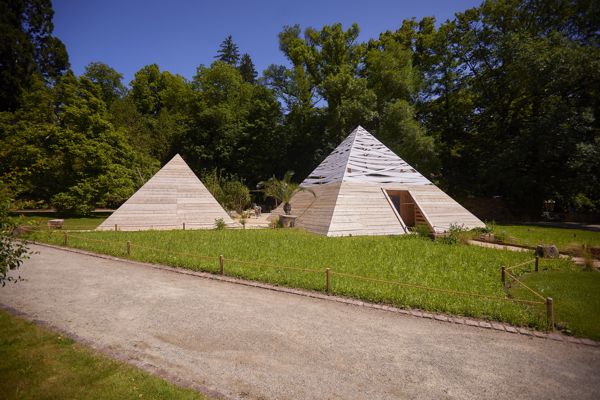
x,y
455,234
585,252
219,224
422,230
283,190
245,215
275,223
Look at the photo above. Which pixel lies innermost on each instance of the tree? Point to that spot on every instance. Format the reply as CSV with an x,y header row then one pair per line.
x,y
228,52
12,252
27,48
235,125
163,102
247,69
109,80
61,148
282,190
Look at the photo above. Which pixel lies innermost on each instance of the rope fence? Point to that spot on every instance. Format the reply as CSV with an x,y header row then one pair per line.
x,y
129,247
548,301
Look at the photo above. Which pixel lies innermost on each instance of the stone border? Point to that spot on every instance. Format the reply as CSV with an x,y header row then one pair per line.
x,y
494,325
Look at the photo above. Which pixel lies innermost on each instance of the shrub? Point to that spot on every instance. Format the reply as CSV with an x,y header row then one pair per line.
x,y
456,234
219,224
423,231
12,252
236,195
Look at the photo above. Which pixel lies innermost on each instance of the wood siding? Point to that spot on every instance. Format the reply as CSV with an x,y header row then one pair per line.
x,y
172,197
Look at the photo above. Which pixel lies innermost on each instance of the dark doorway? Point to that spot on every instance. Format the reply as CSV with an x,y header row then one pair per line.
x,y
405,205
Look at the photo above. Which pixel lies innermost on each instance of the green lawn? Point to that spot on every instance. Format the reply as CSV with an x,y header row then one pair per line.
x,y
528,235
405,259
71,223
576,296
36,363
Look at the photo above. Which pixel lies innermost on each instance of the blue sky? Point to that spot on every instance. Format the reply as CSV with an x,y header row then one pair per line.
x,y
179,35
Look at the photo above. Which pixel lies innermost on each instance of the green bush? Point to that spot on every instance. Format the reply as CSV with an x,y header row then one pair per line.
x,y
219,224
237,195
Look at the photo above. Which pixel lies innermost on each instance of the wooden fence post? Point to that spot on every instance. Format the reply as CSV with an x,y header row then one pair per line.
x,y
222,264
550,311
65,241
327,280
504,277
184,226
115,227
537,263
128,248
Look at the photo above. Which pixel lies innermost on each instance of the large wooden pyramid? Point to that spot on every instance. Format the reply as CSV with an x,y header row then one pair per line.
x,y
172,197
364,188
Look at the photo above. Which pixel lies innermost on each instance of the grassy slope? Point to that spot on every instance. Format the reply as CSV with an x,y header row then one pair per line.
x,y
577,304
533,235
36,363
404,259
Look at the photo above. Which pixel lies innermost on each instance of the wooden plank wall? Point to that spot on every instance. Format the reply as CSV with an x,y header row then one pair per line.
x,y
441,210
314,213
173,196
362,209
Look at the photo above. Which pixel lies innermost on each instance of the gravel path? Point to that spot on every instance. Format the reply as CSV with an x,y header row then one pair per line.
x,y
245,342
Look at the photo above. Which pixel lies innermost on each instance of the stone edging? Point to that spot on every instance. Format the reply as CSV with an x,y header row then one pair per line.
x,y
498,326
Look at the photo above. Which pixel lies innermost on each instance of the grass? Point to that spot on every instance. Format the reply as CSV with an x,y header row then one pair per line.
x,y
71,223
405,259
575,294
36,363
531,236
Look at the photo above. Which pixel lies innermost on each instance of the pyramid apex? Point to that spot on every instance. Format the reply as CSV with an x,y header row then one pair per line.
x,y
363,158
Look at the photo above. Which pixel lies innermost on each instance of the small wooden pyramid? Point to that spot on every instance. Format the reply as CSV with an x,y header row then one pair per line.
x,y
174,196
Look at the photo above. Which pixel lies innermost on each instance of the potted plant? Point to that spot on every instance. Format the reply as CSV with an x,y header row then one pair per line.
x,y
282,190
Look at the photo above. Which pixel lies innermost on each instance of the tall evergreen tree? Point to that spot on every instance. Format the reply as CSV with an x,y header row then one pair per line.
x,y
228,52
247,69
27,48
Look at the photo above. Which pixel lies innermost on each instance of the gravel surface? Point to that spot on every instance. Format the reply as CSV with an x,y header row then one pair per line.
x,y
245,342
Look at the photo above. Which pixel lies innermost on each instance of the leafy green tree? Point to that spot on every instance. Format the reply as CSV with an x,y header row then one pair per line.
x,y
228,52
109,80
164,109
61,148
27,48
235,124
12,252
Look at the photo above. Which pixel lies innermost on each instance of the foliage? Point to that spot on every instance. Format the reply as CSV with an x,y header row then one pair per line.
x,y
228,52
60,146
247,69
283,190
219,224
484,104
28,49
422,230
109,80
12,251
454,235
237,195
230,192
40,363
